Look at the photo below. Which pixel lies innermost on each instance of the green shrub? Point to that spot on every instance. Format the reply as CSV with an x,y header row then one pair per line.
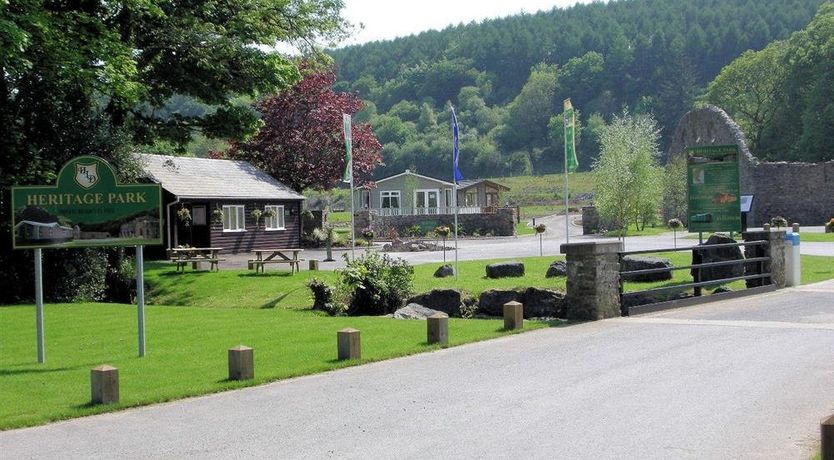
x,y
374,284
323,298
414,230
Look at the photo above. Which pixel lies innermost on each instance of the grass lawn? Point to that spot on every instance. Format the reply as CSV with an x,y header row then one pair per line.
x,y
340,217
186,352
522,229
809,237
280,290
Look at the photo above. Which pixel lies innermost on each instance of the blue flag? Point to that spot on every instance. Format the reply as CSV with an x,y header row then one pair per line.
x,y
458,175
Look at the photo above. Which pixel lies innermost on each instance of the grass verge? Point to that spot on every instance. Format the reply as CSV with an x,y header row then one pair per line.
x,y
186,352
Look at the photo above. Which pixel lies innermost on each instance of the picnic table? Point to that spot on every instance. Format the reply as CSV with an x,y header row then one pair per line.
x,y
276,256
183,256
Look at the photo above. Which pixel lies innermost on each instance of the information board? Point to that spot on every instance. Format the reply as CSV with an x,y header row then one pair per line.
x,y
86,207
713,188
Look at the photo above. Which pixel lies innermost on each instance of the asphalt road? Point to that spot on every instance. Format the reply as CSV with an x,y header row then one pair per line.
x,y
528,246
748,378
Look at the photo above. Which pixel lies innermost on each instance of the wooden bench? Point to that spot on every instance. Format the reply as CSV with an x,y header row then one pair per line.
x,y
295,265
195,263
194,256
276,256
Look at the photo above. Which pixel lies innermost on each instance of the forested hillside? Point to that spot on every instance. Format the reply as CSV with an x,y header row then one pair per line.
x,y
508,77
782,95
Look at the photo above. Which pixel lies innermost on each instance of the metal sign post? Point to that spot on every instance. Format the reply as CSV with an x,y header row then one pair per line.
x,y
39,305
140,297
86,207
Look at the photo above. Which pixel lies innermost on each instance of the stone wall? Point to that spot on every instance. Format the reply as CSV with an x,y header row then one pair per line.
x,y
500,223
799,192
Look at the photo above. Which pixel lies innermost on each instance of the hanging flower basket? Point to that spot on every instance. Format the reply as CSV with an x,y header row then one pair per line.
x,y
217,215
184,215
256,214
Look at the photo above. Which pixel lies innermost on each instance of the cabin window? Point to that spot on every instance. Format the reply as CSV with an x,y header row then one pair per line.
x,y
234,218
390,199
276,221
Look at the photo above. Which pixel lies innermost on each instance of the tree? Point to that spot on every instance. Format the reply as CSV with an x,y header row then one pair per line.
x,y
675,203
749,88
301,142
528,114
91,77
627,178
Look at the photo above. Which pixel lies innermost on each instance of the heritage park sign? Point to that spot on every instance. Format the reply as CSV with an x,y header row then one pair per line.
x,y
87,207
713,188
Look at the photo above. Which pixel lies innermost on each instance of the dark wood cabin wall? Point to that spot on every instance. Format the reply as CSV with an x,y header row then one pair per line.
x,y
257,238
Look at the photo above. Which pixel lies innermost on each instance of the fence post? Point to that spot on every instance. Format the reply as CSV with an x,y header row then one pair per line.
x,y
775,249
593,283
241,363
697,259
437,329
104,384
513,315
827,438
348,344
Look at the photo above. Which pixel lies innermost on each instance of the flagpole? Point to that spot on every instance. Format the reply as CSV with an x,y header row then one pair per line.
x,y
349,172
567,191
455,176
569,118
455,203
352,217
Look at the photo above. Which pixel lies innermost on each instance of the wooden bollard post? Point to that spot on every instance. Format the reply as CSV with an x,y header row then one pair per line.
x,y
241,363
513,315
348,343
314,265
827,438
437,329
104,384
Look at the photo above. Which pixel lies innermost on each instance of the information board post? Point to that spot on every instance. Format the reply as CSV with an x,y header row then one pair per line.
x,y
39,305
140,297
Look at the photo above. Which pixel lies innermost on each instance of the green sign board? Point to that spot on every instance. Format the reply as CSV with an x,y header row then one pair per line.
x,y
713,185
86,207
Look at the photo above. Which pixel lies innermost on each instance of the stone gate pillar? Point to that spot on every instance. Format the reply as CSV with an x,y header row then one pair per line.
x,y
775,249
593,280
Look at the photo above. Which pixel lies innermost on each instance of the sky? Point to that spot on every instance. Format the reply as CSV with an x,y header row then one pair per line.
x,y
388,19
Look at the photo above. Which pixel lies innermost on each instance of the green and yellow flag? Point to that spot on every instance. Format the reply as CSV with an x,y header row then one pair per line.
x,y
570,143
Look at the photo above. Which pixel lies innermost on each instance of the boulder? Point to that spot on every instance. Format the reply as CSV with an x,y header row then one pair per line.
x,y
558,268
491,303
543,303
719,255
538,303
446,300
444,271
505,270
414,311
630,263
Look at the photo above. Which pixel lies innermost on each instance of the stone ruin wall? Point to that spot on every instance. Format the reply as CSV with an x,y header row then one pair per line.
x,y
799,192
